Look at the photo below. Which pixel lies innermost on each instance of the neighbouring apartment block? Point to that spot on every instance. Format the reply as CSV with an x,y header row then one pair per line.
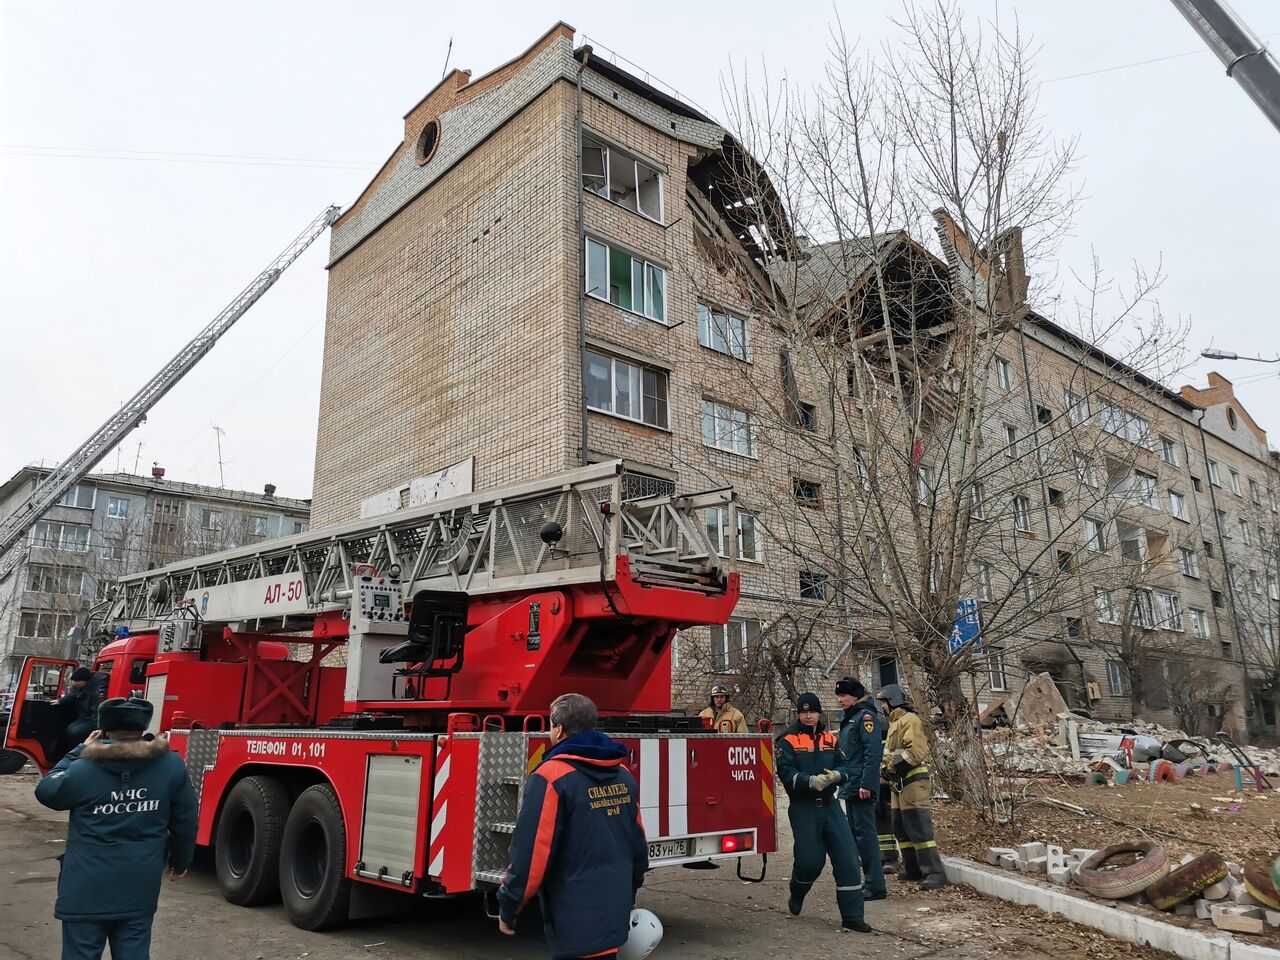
x,y
531,281
112,524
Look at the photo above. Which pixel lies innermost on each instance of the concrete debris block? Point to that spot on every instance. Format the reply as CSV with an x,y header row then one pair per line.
x,y
1009,861
994,854
1055,858
1038,865
1241,894
1081,853
1060,875
1204,910
1022,866
1030,851
1219,891
1185,910
1041,702
1272,917
1235,869
1237,918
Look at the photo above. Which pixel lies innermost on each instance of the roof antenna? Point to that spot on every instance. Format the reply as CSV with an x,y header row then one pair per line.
x,y
447,54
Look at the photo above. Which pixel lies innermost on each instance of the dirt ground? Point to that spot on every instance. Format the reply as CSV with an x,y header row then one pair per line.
x,y
708,915
1191,816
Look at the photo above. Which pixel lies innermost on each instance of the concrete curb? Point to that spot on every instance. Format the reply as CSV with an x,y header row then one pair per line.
x,y
1110,918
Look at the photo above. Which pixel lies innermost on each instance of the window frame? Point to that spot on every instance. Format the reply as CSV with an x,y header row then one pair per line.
x,y
707,315
113,505
75,492
1117,678
608,151
1021,506
1199,623
61,543
1075,403
1189,561
816,588
1004,373
1169,451
1178,506
997,675
640,391
744,427
1096,543
1104,605
647,265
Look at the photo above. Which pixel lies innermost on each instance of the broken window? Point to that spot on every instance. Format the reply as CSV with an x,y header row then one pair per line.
x,y
1142,609
626,389
722,332
620,177
813,585
627,281
806,492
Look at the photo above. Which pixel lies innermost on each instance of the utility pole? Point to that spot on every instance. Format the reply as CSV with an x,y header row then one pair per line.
x,y
1232,42
218,432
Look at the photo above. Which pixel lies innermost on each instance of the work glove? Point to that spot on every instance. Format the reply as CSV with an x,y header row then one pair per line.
x,y
821,781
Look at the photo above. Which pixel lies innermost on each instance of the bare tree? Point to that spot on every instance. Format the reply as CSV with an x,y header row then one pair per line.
x,y
883,258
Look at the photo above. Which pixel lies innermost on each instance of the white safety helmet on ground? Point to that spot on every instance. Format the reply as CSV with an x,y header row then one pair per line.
x,y
646,934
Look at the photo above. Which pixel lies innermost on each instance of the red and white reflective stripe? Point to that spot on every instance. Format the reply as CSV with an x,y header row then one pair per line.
x,y
677,787
664,787
440,804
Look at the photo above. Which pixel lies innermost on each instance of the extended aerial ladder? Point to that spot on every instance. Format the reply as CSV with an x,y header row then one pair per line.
x,y
585,575
132,413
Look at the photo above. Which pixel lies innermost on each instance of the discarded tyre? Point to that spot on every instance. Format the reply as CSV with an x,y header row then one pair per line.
x,y
1258,881
1102,876
1188,880
1275,872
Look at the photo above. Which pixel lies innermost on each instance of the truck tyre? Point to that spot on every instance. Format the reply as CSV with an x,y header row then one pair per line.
x,y
313,861
11,761
247,848
1187,880
1257,880
1115,882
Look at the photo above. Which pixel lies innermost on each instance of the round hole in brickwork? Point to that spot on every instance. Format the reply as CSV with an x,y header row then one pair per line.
x,y
1231,417
428,140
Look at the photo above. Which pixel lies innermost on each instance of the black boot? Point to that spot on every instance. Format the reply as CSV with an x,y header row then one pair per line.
x,y
910,869
931,864
858,926
796,901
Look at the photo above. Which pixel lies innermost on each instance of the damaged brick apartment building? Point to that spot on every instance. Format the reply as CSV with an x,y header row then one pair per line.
x,y
530,282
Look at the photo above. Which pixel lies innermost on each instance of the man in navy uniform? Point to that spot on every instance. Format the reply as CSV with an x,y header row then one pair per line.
x,y
579,843
132,809
861,750
807,756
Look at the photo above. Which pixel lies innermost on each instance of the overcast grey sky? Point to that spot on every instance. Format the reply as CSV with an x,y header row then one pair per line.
x,y
136,201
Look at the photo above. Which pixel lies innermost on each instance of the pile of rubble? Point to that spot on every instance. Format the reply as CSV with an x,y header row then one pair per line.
x,y
1043,737
1239,898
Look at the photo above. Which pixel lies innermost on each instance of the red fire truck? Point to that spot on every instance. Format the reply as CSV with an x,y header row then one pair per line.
x,y
360,707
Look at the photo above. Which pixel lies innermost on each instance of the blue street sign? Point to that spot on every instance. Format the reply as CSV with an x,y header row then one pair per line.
x,y
968,625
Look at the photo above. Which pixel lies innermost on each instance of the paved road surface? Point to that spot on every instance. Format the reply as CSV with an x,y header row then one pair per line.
x,y
708,915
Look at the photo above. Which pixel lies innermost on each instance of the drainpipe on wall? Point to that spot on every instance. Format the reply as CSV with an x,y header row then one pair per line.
x,y
584,455
1226,570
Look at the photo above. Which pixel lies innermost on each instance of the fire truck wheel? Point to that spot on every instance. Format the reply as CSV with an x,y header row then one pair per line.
x,y
247,850
313,861
11,761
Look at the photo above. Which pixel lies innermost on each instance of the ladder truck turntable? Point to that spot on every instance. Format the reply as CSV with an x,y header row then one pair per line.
x,y
402,770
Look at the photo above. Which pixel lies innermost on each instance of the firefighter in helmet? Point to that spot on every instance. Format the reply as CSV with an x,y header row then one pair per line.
x,y
905,751
807,755
724,716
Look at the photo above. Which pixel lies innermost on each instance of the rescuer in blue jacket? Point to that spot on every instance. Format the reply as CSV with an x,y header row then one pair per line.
x,y
579,843
132,810
807,757
861,750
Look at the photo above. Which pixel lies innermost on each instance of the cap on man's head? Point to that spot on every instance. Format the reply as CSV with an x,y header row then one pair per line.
x,y
850,687
81,673
808,701
124,713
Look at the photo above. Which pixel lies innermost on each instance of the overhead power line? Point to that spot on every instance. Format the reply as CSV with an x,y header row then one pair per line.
x,y
1140,63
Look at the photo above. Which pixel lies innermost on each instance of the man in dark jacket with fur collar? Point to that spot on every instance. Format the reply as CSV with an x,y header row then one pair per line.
x,y
579,844
130,799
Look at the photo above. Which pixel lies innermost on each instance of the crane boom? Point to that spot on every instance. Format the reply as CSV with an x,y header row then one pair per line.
x,y
73,469
1246,59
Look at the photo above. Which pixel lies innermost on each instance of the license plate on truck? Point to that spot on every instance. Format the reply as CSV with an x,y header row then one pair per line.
x,y
668,849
